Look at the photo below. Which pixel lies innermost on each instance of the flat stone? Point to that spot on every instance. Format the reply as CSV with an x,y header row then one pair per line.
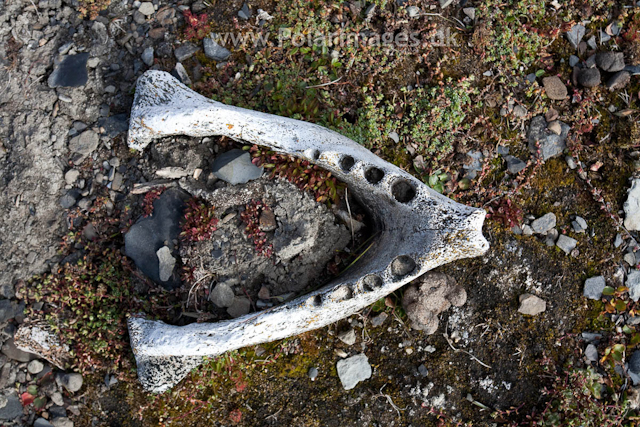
x,y
633,283
185,51
8,310
593,287
579,225
531,305
414,11
573,61
470,12
71,176
589,77
147,56
114,125
235,167
62,422
610,61
575,35
353,370
619,80
566,243
379,319
591,353
630,258
239,307
632,207
85,143
348,337
591,337
244,13
213,50
551,145
41,422
181,74
514,164
10,350
634,362
70,72
166,263
545,223
12,407
554,88
146,8
149,234
35,367
222,295
72,382
555,127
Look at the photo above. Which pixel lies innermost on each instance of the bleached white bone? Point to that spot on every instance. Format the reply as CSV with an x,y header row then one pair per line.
x,y
414,224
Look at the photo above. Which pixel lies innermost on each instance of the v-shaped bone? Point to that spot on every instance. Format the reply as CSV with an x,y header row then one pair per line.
x,y
429,229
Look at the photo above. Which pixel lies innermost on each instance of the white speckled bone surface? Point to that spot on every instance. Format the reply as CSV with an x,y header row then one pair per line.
x,y
430,229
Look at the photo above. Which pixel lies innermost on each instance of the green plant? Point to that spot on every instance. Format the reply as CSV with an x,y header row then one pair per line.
x,y
199,221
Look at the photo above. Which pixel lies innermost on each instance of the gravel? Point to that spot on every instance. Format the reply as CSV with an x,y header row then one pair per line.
x,y
85,143
593,287
591,353
185,51
146,8
632,207
353,370
35,367
313,373
239,307
551,145
147,56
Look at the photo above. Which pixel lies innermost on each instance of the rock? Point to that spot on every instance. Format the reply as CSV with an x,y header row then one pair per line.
x,y
147,56
114,125
313,373
10,350
424,301
181,74
72,382
213,50
185,51
634,362
12,407
555,127
445,3
593,287
575,35
8,310
554,87
146,8
379,319
57,398
589,77
571,162
239,307
566,243
632,207
630,258
267,221
519,111
38,338
531,305
619,80
591,337
145,237
71,176
116,184
348,337
527,230
166,263
470,12
591,353
264,293
353,370
514,164
139,18
85,143
244,13
235,167
610,61
35,367
545,223
633,283
41,422
70,72
68,200
579,225
222,295
423,371
62,422
551,145
573,61
413,11
552,236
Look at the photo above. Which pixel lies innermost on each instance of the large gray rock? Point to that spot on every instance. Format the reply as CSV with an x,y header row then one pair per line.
x,y
213,50
545,223
10,406
70,71
148,235
551,145
353,369
632,207
566,243
222,295
576,34
235,167
593,287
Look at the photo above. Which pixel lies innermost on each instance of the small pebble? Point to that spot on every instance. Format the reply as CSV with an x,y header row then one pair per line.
x,y
313,373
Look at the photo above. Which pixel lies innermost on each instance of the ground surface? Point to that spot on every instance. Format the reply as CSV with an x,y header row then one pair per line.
x,y
446,109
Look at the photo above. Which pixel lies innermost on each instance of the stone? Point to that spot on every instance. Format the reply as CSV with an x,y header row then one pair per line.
x,y
10,350
35,367
413,11
41,422
313,373
146,8
239,307
114,125
38,338
68,200
244,13
633,283
589,77
545,223
166,263
213,50
235,167
554,88
445,3
551,145
7,310
348,337
185,51
591,353
566,243
72,382
579,225
12,407
116,184
619,80
573,61
424,301
610,61
630,258
555,127
514,164
353,370
62,422
527,230
531,305
470,12
571,162
552,236
267,221
57,398
149,234
181,73
71,176
222,295
634,362
147,56
575,35
85,143
519,111
632,207
593,287
379,319
70,71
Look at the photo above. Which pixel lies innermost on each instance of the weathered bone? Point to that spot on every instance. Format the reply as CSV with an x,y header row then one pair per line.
x,y
418,229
